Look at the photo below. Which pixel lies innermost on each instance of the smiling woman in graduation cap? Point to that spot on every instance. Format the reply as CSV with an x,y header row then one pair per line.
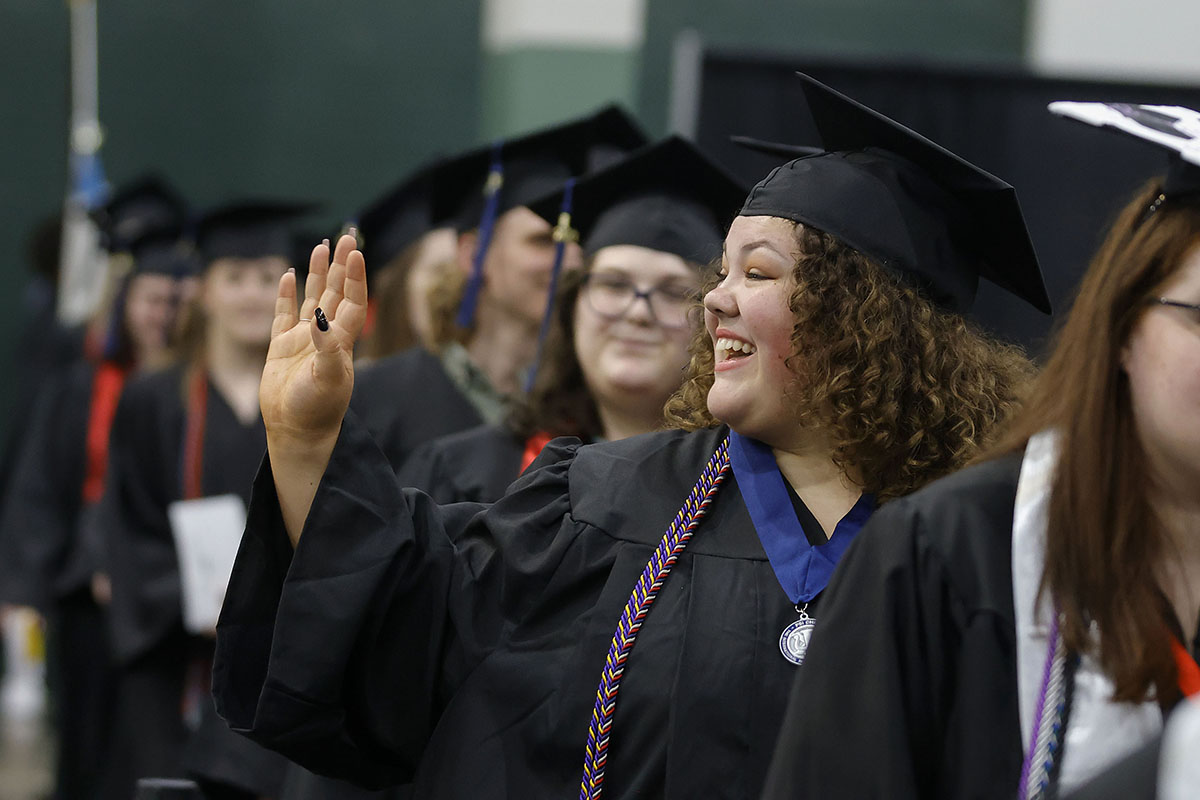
x,y
1016,627
617,341
627,619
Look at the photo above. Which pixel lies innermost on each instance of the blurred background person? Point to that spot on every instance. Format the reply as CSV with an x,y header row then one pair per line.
x,y
410,255
185,433
505,259
617,346
49,553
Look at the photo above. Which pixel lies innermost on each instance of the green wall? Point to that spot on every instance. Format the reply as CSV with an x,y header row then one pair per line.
x,y
307,99
535,86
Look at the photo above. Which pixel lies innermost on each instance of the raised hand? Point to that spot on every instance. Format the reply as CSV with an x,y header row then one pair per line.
x,y
309,374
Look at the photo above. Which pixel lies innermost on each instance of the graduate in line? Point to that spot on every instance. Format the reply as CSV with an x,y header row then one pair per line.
x,y
489,651
188,432
506,259
49,550
1013,629
408,253
617,345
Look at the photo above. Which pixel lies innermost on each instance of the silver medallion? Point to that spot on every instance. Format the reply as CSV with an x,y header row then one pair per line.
x,y
793,642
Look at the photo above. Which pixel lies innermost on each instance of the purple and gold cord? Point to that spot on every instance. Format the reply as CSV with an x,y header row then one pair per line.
x,y
678,534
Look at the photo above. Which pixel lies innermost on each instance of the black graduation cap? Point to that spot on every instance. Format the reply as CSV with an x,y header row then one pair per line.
x,y
166,251
927,215
398,218
142,206
528,167
250,229
1173,128
668,196
474,189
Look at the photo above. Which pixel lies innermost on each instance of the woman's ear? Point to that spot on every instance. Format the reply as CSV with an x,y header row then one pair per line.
x,y
464,256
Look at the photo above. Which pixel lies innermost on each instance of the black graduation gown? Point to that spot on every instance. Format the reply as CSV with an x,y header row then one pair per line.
x,y
150,643
460,646
407,399
909,689
48,556
473,466
44,500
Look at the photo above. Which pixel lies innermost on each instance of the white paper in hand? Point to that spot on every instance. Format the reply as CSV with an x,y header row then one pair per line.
x,y
207,533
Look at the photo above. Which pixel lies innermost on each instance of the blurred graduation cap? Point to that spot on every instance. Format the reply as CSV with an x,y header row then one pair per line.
x,y
142,206
474,189
250,229
1176,129
928,216
166,251
520,170
668,196
398,218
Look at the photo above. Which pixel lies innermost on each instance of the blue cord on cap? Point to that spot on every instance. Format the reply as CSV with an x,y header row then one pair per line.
x,y
491,191
563,233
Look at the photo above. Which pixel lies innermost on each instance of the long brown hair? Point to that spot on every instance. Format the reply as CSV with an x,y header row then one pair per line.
x,y
559,402
907,392
1104,539
393,330
445,296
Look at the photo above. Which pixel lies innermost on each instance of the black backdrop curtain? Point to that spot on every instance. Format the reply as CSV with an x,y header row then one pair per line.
x,y
1071,179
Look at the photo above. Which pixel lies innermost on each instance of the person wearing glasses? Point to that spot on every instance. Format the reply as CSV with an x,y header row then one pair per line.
x,y
1041,606
617,345
626,620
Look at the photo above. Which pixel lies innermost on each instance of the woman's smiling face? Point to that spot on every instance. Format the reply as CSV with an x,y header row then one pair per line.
x,y
750,323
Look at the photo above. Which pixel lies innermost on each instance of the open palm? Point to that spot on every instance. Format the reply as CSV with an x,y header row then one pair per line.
x,y
309,374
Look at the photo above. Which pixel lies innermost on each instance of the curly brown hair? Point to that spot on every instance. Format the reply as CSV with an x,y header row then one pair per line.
x,y
906,391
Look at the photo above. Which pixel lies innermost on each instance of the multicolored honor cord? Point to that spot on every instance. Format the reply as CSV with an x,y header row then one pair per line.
x,y
678,534
1039,772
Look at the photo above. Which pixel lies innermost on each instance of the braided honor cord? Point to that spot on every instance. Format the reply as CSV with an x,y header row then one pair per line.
x,y
1039,772
653,576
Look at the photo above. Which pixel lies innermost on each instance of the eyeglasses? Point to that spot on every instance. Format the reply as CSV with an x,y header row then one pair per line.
x,y
1192,307
612,297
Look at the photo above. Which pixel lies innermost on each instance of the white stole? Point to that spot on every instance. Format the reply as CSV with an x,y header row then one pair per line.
x,y
1099,731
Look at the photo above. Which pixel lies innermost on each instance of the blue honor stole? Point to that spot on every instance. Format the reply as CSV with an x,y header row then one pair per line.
x,y
803,569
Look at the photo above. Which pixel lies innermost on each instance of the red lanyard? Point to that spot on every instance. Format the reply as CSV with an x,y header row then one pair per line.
x,y
1189,671
533,448
192,467
106,391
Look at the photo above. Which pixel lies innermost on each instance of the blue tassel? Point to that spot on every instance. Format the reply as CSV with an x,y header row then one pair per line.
x,y
491,190
116,321
563,233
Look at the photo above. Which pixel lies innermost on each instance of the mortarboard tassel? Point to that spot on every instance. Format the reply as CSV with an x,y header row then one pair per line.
x,y
491,190
563,233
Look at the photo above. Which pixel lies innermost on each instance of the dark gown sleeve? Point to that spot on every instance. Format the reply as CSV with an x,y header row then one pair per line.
x,y
342,655
908,689
43,497
133,523
425,469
